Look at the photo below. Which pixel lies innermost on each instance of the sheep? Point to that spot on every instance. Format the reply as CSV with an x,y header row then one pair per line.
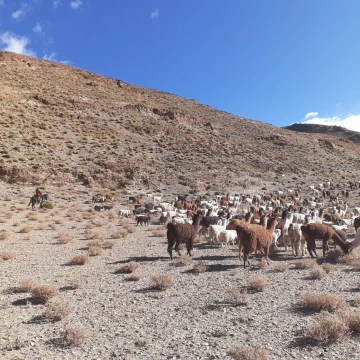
x,y
226,236
182,233
124,212
141,219
311,232
256,238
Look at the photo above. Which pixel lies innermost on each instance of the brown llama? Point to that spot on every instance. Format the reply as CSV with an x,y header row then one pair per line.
x,y
357,223
182,233
255,238
233,223
311,232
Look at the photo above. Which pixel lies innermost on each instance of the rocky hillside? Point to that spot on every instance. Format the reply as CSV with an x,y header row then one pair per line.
x,y
61,124
336,131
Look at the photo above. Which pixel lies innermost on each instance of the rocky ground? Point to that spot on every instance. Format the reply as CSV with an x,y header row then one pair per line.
x,y
122,319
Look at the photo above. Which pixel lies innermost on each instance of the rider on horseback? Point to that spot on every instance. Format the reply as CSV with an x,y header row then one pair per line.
x,y
38,194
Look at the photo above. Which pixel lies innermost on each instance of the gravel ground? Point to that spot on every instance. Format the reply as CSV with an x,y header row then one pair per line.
x,y
195,319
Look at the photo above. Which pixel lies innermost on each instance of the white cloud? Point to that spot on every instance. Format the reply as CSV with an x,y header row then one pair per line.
x,y
53,57
20,13
351,122
311,115
56,3
16,44
76,4
38,28
155,14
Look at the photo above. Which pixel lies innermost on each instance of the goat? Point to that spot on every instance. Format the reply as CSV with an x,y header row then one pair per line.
x,y
256,238
311,232
182,233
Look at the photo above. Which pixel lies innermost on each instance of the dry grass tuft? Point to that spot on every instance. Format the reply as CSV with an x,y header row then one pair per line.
x,y
76,336
183,260
26,229
200,268
136,275
80,259
352,320
26,285
356,265
327,268
128,268
236,296
131,229
348,259
6,255
317,273
98,243
124,222
323,301
108,244
65,237
257,282
327,328
57,310
262,264
158,233
243,352
281,267
43,293
162,281
95,251
305,264
119,234
76,283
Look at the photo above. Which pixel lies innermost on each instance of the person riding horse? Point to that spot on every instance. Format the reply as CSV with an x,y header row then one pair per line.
x,y
38,194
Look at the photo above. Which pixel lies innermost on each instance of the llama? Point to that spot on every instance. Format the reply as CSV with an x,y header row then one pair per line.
x,y
356,243
227,236
182,233
256,238
357,223
311,232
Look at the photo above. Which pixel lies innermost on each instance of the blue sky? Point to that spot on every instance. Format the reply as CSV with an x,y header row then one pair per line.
x,y
270,60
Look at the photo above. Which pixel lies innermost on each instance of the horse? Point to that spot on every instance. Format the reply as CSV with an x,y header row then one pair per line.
x,y
35,200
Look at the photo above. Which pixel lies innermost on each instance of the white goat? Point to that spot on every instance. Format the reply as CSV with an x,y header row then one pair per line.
x,y
124,212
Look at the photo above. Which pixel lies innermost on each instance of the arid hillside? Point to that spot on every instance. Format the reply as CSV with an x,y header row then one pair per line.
x,y
61,124
336,131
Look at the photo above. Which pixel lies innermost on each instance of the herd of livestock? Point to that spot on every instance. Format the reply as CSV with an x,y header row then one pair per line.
x,y
292,218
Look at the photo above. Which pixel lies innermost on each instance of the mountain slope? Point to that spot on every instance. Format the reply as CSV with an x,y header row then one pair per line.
x,y
336,131
61,124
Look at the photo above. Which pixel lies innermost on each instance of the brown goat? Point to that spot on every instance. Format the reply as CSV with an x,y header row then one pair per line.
x,y
311,232
182,233
256,238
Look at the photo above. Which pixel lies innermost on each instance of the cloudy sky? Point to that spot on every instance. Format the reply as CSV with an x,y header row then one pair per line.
x,y
277,61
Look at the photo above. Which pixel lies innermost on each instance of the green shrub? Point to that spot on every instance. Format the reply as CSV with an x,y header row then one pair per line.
x,y
48,206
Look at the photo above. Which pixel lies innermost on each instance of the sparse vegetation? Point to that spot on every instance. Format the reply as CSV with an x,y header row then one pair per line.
x,y
7,255
327,328
43,293
65,237
257,282
136,275
200,268
183,260
95,251
26,285
119,234
322,301
305,264
128,268
80,259
26,229
4,235
158,233
57,310
317,273
243,352
327,268
162,281
76,336
236,296
281,267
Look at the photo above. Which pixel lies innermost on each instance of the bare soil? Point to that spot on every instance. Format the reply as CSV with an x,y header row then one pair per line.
x,y
194,319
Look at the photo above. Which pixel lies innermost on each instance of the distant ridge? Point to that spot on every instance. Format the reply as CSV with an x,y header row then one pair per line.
x,y
336,131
